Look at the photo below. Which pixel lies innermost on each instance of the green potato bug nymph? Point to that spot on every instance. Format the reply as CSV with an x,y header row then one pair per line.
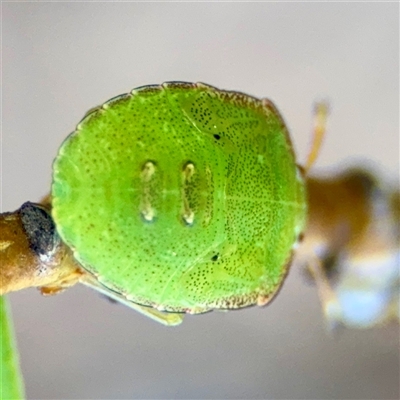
x,y
181,198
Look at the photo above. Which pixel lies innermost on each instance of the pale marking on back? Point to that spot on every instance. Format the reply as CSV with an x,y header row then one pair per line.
x,y
146,175
187,175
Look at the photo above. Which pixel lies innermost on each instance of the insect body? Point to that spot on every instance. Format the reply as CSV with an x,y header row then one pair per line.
x,y
354,231
180,198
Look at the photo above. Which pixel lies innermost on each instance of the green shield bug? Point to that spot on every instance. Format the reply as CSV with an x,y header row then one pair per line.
x,y
178,198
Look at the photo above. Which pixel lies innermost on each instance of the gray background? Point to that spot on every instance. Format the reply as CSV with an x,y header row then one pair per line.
x,y
60,59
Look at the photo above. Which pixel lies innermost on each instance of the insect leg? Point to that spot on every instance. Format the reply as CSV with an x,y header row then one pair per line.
x,y
320,115
165,318
329,302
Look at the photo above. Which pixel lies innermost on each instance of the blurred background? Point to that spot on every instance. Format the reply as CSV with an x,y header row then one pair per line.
x,y
60,59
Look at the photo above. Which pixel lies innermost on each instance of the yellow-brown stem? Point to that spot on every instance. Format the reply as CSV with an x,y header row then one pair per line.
x,y
21,267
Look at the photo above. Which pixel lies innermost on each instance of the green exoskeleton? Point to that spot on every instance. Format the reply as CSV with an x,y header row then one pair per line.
x,y
177,198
